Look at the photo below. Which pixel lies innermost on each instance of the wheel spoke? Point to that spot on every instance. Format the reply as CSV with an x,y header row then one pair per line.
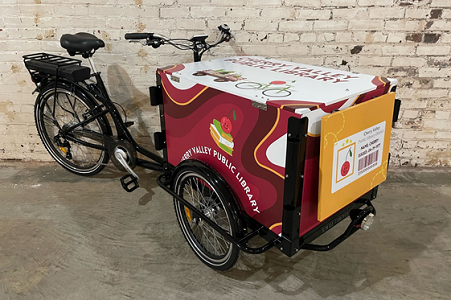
x,y
198,193
63,109
208,244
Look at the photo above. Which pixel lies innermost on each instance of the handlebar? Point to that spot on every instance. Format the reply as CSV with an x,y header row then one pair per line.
x,y
138,36
197,43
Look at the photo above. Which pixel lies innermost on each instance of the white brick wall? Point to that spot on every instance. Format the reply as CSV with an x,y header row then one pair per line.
x,y
409,42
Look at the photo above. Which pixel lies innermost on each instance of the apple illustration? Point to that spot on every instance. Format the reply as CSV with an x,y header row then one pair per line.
x,y
226,123
346,166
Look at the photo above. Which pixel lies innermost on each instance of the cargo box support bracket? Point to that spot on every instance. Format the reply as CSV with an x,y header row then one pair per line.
x,y
293,187
156,96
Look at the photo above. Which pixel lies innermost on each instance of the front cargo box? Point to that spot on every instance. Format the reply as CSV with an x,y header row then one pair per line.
x,y
233,114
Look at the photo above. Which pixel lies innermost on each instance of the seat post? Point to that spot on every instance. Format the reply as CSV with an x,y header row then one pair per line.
x,y
93,66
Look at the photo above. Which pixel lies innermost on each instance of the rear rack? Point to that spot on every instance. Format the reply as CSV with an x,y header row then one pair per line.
x,y
41,65
51,59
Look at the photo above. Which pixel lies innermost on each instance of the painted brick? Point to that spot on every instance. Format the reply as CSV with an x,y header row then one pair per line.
x,y
441,25
417,13
308,37
329,49
278,13
293,49
441,3
291,37
434,93
372,3
437,124
338,2
398,50
386,13
418,134
313,14
409,61
243,13
359,25
259,25
259,3
442,115
341,62
190,24
326,37
169,13
229,3
350,14
396,37
408,102
375,61
369,37
207,12
310,60
433,145
330,25
303,3
343,37
446,13
443,135
409,114
442,83
403,25
295,26
433,50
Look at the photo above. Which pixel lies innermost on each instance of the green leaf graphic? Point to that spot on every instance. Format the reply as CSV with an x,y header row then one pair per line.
x,y
234,115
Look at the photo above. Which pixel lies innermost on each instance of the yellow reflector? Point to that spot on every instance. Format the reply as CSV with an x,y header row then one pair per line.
x,y
188,214
64,150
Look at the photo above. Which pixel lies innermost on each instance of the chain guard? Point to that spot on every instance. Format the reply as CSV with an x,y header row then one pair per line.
x,y
131,154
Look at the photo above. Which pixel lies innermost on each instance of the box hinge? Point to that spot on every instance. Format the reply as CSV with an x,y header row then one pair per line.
x,y
259,105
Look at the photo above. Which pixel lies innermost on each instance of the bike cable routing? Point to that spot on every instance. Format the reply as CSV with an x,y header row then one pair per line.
x,y
196,43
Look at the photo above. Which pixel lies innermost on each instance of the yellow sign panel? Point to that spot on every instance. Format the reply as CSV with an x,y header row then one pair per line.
x,y
354,152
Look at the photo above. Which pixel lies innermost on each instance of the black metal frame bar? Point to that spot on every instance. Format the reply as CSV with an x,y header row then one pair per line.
x,y
294,184
100,93
241,243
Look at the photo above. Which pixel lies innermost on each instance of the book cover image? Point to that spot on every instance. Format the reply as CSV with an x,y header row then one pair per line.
x,y
220,132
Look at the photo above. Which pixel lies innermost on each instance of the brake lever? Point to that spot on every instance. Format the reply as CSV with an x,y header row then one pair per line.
x,y
155,43
138,41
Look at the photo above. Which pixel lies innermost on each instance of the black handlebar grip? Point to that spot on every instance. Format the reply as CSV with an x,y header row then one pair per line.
x,y
138,36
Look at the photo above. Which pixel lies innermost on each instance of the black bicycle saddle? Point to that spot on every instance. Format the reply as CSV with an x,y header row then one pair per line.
x,y
80,42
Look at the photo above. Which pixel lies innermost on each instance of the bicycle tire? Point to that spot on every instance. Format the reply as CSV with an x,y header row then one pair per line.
x,y
207,244
248,85
280,93
69,107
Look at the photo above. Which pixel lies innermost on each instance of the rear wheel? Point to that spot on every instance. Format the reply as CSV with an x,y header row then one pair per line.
x,y
54,112
215,202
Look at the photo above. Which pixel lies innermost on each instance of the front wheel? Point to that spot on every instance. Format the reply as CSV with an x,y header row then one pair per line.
x,y
58,110
215,202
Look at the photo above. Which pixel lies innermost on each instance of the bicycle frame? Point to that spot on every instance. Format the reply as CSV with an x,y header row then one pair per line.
x,y
99,92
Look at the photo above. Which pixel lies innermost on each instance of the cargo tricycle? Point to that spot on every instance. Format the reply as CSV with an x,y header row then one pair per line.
x,y
251,146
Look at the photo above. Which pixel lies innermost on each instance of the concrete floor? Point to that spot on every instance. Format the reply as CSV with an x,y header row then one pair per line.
x,y
68,237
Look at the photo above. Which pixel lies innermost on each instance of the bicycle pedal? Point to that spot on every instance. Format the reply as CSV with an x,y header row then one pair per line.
x,y
129,183
128,124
